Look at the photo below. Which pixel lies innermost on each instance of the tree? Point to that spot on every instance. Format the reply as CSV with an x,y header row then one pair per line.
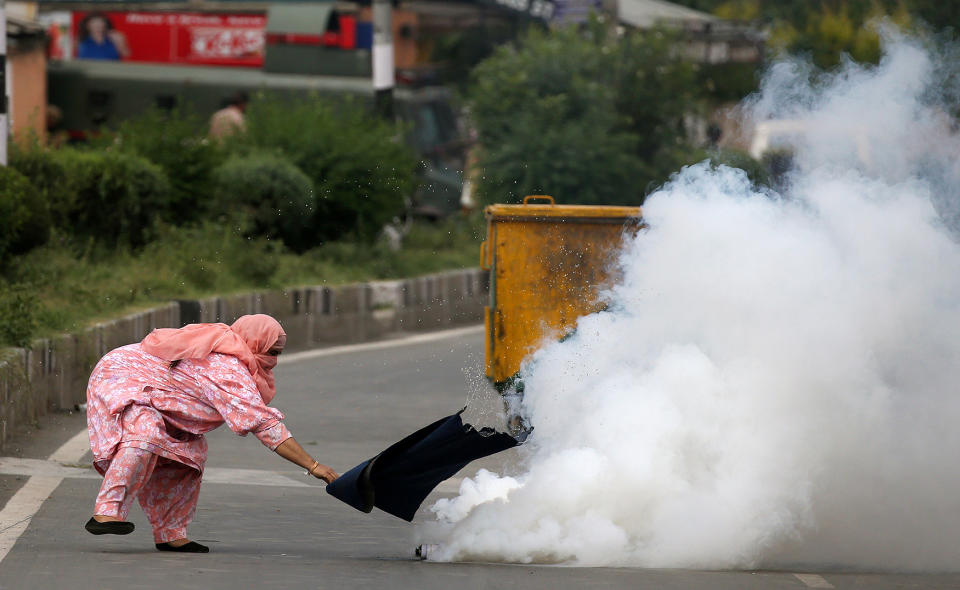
x,y
833,32
460,51
360,169
580,114
939,14
828,29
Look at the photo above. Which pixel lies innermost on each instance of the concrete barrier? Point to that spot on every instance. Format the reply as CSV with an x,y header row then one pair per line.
x,y
52,374
16,393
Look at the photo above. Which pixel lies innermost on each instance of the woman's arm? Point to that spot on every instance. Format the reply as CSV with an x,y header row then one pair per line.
x,y
227,385
291,450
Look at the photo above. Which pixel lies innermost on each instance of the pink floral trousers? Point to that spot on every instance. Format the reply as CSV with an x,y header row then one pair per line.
x,y
167,491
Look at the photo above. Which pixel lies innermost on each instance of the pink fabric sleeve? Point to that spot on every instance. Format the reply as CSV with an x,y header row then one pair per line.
x,y
272,436
227,385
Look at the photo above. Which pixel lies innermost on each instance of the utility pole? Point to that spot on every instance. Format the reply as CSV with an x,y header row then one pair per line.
x,y
383,74
4,120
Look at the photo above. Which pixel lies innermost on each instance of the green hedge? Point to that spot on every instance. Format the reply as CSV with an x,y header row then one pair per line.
x,y
49,176
176,142
118,197
18,315
24,215
113,197
275,196
360,167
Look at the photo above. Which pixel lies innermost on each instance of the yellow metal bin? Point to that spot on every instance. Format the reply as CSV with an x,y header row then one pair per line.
x,y
547,264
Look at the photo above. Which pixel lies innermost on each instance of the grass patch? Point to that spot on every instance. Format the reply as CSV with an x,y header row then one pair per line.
x,y
72,284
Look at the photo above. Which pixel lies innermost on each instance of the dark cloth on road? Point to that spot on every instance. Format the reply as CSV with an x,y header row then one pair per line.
x,y
399,479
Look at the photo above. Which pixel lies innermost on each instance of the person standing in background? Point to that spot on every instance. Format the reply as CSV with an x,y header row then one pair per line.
x,y
230,119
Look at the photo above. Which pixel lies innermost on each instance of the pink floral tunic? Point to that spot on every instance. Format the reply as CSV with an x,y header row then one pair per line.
x,y
137,400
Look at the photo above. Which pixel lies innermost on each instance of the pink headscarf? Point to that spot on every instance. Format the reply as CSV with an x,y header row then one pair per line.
x,y
248,339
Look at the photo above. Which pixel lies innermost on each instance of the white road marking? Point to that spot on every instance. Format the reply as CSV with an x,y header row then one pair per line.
x,y
16,515
39,467
257,477
74,449
813,580
379,344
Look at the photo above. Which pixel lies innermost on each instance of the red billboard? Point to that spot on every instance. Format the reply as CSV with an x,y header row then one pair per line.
x,y
170,37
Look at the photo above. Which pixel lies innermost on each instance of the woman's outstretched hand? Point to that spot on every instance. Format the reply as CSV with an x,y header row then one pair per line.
x,y
321,471
291,450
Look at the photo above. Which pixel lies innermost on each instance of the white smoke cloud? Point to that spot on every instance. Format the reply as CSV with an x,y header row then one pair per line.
x,y
776,379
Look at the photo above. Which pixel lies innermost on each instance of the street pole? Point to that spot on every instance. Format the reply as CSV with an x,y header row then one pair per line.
x,y
3,84
383,74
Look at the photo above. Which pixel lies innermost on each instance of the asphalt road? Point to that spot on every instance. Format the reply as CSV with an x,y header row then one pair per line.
x,y
344,405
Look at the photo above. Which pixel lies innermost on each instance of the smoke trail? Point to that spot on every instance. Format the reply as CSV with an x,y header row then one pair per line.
x,y
775,381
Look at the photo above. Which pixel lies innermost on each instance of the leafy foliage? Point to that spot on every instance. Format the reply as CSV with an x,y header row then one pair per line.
x,y
61,288
937,14
48,176
175,141
831,33
655,90
126,235
360,168
119,196
24,215
213,256
587,118
829,29
460,51
18,315
273,194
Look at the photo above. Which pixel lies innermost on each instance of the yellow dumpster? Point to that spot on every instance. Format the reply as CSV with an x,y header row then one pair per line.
x,y
547,264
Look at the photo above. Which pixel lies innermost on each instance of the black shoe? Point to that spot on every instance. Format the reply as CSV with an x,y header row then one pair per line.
x,y
190,547
114,527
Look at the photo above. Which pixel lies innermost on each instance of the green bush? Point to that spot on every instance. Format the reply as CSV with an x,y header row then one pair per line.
x,y
119,196
18,316
275,195
360,168
256,262
177,142
210,256
24,215
49,176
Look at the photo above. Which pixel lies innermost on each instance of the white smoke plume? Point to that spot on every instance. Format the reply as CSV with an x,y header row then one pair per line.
x,y
776,381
